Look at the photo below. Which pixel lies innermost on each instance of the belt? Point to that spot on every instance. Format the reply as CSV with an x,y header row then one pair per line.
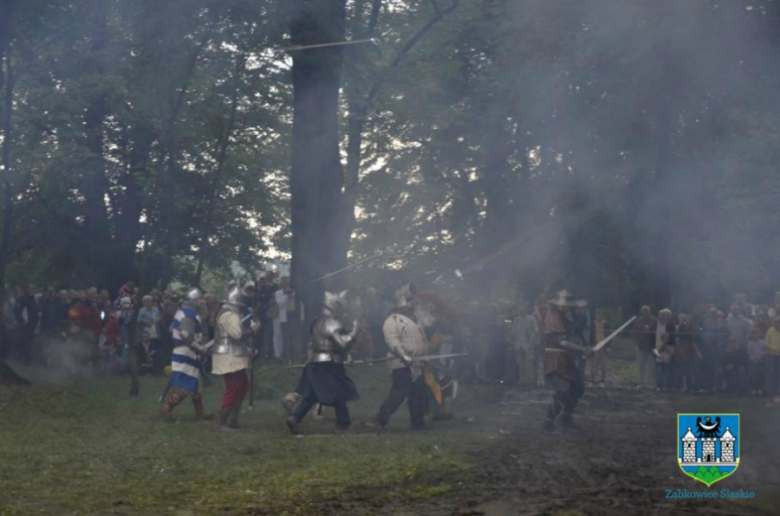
x,y
321,357
326,357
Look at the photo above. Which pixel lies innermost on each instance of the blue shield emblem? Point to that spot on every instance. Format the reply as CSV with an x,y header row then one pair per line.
x,y
708,445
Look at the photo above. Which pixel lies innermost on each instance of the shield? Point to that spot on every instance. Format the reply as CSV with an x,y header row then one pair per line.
x,y
708,445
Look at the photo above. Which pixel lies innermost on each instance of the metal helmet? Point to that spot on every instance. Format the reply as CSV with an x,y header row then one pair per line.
x,y
336,302
235,296
191,297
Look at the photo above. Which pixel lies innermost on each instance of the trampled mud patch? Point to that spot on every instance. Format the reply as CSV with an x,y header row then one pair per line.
x,y
622,462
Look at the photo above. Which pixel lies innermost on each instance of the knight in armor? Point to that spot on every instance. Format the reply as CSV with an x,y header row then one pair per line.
x,y
563,363
232,357
186,364
404,332
324,379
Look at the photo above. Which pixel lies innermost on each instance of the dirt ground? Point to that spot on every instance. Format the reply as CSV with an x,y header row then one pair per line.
x,y
621,462
85,448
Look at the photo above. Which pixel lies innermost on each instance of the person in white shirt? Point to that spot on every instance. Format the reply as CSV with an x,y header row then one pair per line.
x,y
282,297
405,337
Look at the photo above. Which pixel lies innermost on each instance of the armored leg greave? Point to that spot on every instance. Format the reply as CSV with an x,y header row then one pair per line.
x,y
173,401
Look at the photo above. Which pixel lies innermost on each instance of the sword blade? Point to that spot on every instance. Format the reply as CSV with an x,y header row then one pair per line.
x,y
612,335
437,357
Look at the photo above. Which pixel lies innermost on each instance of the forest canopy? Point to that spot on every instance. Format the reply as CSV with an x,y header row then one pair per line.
x,y
624,150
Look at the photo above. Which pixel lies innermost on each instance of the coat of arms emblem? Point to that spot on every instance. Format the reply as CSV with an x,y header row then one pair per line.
x,y
708,445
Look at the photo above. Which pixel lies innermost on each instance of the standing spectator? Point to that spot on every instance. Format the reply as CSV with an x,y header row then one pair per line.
x,y
9,316
774,312
685,353
745,308
762,322
738,325
110,345
54,321
756,365
598,363
583,326
733,367
525,338
772,375
645,327
126,290
264,295
149,319
170,306
146,353
541,309
124,318
104,305
282,297
664,351
375,316
89,317
27,317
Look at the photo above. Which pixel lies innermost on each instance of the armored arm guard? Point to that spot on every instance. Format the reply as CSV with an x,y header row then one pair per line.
x,y
341,339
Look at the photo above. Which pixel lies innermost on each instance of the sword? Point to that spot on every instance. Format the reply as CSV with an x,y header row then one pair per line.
x,y
436,357
167,388
612,335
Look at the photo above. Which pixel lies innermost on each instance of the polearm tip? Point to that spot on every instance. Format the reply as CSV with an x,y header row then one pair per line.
x,y
298,48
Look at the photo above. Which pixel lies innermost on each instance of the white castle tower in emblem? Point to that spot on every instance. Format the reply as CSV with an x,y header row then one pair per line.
x,y
710,452
727,446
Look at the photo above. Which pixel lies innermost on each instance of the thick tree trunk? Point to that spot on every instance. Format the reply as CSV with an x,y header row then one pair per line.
x,y
316,175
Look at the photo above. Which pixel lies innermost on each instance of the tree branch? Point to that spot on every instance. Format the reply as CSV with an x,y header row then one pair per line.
x,y
410,44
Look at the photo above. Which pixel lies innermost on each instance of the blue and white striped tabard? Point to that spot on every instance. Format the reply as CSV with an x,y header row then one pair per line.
x,y
185,364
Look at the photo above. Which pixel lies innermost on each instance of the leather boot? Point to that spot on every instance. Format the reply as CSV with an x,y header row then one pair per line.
x,y
292,425
232,420
220,423
197,401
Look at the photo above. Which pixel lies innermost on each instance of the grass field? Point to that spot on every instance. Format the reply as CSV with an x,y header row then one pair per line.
x,y
86,448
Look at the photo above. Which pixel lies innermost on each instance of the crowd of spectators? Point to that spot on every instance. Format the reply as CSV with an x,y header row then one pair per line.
x,y
738,353
708,351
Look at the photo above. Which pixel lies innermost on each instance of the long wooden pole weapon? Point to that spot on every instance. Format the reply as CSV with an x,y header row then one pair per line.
x,y
385,359
298,48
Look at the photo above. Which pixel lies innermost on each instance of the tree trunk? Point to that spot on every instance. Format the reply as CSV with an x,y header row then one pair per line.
x,y
316,175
